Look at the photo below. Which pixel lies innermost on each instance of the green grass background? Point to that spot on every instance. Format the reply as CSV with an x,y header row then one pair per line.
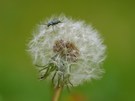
x,y
115,19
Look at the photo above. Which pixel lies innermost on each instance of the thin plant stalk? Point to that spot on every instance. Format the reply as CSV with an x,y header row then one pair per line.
x,y
57,93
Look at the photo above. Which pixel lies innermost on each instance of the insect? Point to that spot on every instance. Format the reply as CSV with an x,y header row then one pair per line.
x,y
53,22
54,70
50,68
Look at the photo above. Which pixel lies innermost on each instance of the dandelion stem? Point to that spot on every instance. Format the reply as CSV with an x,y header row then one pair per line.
x,y
57,93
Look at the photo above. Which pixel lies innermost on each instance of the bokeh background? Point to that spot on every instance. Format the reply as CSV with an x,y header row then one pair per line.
x,y
114,19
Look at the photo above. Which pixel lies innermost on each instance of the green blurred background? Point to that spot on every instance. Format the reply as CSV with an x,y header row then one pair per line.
x,y
115,19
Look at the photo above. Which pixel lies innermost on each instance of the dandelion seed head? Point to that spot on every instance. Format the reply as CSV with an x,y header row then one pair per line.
x,y
73,46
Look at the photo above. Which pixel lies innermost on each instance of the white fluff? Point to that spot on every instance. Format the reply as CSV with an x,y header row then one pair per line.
x,y
85,38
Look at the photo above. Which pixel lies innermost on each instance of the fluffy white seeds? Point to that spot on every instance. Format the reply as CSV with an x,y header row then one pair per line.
x,y
67,51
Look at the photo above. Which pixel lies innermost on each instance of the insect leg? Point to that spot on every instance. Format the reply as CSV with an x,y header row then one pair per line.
x,y
39,65
54,77
59,80
45,67
45,74
53,29
68,87
69,81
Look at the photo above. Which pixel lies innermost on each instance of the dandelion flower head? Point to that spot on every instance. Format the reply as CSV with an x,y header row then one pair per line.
x,y
67,51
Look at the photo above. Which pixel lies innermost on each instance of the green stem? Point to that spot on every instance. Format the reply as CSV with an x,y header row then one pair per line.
x,y
57,93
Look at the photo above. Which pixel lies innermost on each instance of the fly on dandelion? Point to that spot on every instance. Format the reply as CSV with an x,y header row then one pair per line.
x,y
53,22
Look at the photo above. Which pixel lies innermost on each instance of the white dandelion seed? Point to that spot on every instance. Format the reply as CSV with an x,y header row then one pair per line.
x,y
68,53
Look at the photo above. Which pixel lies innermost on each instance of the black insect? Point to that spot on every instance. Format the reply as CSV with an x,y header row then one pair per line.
x,y
53,22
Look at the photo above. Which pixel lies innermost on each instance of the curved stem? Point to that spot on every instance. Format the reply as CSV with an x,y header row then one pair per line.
x,y
57,93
